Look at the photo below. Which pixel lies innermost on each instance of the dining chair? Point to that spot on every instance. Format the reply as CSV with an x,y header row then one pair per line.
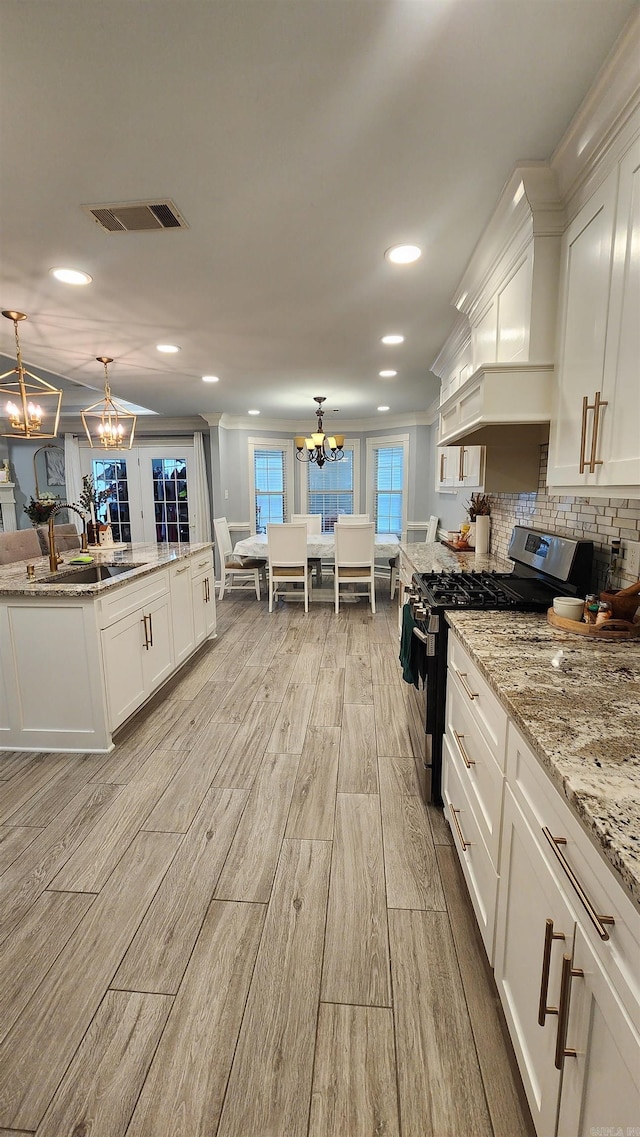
x,y
431,534
66,537
288,561
245,570
19,545
354,560
313,521
352,518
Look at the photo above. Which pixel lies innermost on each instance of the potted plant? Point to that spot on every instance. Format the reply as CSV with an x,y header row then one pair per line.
x,y
39,509
479,511
89,502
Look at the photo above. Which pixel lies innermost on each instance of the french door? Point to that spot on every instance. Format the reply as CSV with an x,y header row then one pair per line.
x,y
148,490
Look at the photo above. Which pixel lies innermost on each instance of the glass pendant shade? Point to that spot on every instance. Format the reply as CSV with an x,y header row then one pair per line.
x,y
107,424
29,406
319,448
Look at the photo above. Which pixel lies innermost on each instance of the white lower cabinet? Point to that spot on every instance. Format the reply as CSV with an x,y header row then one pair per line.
x,y
532,916
203,595
138,656
182,611
562,933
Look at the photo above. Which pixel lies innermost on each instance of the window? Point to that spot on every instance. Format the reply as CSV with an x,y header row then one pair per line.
x,y
388,462
111,476
170,499
330,490
270,479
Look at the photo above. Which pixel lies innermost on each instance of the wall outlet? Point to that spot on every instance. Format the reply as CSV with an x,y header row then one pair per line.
x,y
632,558
226,495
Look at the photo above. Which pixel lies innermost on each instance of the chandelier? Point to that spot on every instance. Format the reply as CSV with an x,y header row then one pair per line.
x,y
113,425
33,406
320,448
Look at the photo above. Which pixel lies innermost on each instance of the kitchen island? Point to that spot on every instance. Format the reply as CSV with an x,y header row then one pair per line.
x,y
77,659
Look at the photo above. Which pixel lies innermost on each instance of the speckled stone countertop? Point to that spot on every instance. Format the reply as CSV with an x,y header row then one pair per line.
x,y
436,557
144,559
581,719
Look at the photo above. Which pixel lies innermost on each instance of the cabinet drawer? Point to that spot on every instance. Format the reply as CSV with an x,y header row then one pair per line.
x,y
477,866
478,769
486,712
580,871
133,597
201,562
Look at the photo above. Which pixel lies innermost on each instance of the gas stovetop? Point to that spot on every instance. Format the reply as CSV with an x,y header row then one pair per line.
x,y
441,590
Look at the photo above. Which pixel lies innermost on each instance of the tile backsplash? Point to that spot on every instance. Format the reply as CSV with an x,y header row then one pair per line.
x,y
596,519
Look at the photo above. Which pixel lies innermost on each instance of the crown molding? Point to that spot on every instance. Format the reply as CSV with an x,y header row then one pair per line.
x,y
601,128
457,341
291,427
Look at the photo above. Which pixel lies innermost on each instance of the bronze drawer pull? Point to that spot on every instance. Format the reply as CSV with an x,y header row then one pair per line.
x,y
465,844
146,644
469,762
568,973
549,937
597,403
597,920
462,676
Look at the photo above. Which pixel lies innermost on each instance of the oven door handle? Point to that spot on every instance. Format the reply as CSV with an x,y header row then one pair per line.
x,y
420,636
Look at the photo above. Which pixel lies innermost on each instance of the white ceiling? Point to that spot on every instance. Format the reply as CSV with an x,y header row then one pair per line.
x,y
299,139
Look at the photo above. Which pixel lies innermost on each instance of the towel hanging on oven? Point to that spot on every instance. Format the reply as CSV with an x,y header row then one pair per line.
x,y
411,654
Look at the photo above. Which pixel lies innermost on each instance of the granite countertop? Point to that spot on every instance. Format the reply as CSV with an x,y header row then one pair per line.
x,y
581,718
436,557
145,557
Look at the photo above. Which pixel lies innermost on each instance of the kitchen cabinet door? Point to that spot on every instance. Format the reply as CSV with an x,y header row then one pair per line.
x,y
157,659
601,1067
448,461
585,289
122,647
532,912
204,604
469,466
182,611
620,431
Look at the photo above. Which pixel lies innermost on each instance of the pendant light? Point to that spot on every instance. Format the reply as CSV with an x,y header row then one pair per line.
x,y
32,409
320,448
108,425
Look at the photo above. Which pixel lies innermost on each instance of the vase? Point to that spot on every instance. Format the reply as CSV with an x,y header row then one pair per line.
x,y
483,527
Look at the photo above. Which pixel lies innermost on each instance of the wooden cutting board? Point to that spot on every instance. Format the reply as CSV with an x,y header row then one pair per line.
x,y
610,632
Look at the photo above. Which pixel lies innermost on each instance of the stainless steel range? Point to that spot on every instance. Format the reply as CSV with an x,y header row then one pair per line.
x,y
545,565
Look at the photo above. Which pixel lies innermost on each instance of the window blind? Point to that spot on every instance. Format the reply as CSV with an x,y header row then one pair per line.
x,y
389,485
330,489
269,473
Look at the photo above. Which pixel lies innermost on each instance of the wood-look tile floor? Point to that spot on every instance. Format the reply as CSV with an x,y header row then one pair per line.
x,y
244,922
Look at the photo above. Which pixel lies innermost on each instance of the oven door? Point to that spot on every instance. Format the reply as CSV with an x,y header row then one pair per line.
x,y
424,717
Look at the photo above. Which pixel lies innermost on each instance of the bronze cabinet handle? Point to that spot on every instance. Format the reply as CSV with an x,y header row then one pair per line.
x,y
461,465
150,632
549,937
597,920
597,404
442,459
462,676
583,434
469,762
465,844
146,644
568,973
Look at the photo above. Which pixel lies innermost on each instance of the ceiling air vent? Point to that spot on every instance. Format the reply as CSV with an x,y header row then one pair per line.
x,y
136,216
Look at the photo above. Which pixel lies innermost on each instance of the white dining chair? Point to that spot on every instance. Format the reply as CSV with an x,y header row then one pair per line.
x,y
288,561
313,521
354,560
430,537
245,570
352,518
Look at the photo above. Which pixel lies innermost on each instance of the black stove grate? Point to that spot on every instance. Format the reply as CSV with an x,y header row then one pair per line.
x,y
490,590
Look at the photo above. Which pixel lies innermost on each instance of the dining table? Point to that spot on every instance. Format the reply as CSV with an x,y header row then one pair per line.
x,y
320,547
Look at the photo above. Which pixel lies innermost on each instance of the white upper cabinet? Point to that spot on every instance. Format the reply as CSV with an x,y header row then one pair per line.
x,y
595,435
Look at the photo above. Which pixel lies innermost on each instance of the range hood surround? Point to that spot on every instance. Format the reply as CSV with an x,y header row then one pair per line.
x,y
507,299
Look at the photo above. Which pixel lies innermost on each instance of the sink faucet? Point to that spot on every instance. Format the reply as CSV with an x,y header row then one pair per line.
x,y
54,558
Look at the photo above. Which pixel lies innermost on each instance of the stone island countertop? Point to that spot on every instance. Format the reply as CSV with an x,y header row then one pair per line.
x,y
436,557
581,718
145,557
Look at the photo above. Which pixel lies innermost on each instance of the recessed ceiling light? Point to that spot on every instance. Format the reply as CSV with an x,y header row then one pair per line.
x,y
210,379
392,339
254,412
403,254
167,348
383,408
387,374
71,276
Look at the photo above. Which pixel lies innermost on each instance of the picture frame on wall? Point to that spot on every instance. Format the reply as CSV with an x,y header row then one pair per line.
x,y
49,470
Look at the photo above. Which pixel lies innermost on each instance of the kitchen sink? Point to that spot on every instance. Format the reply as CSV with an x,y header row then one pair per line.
x,y
87,574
